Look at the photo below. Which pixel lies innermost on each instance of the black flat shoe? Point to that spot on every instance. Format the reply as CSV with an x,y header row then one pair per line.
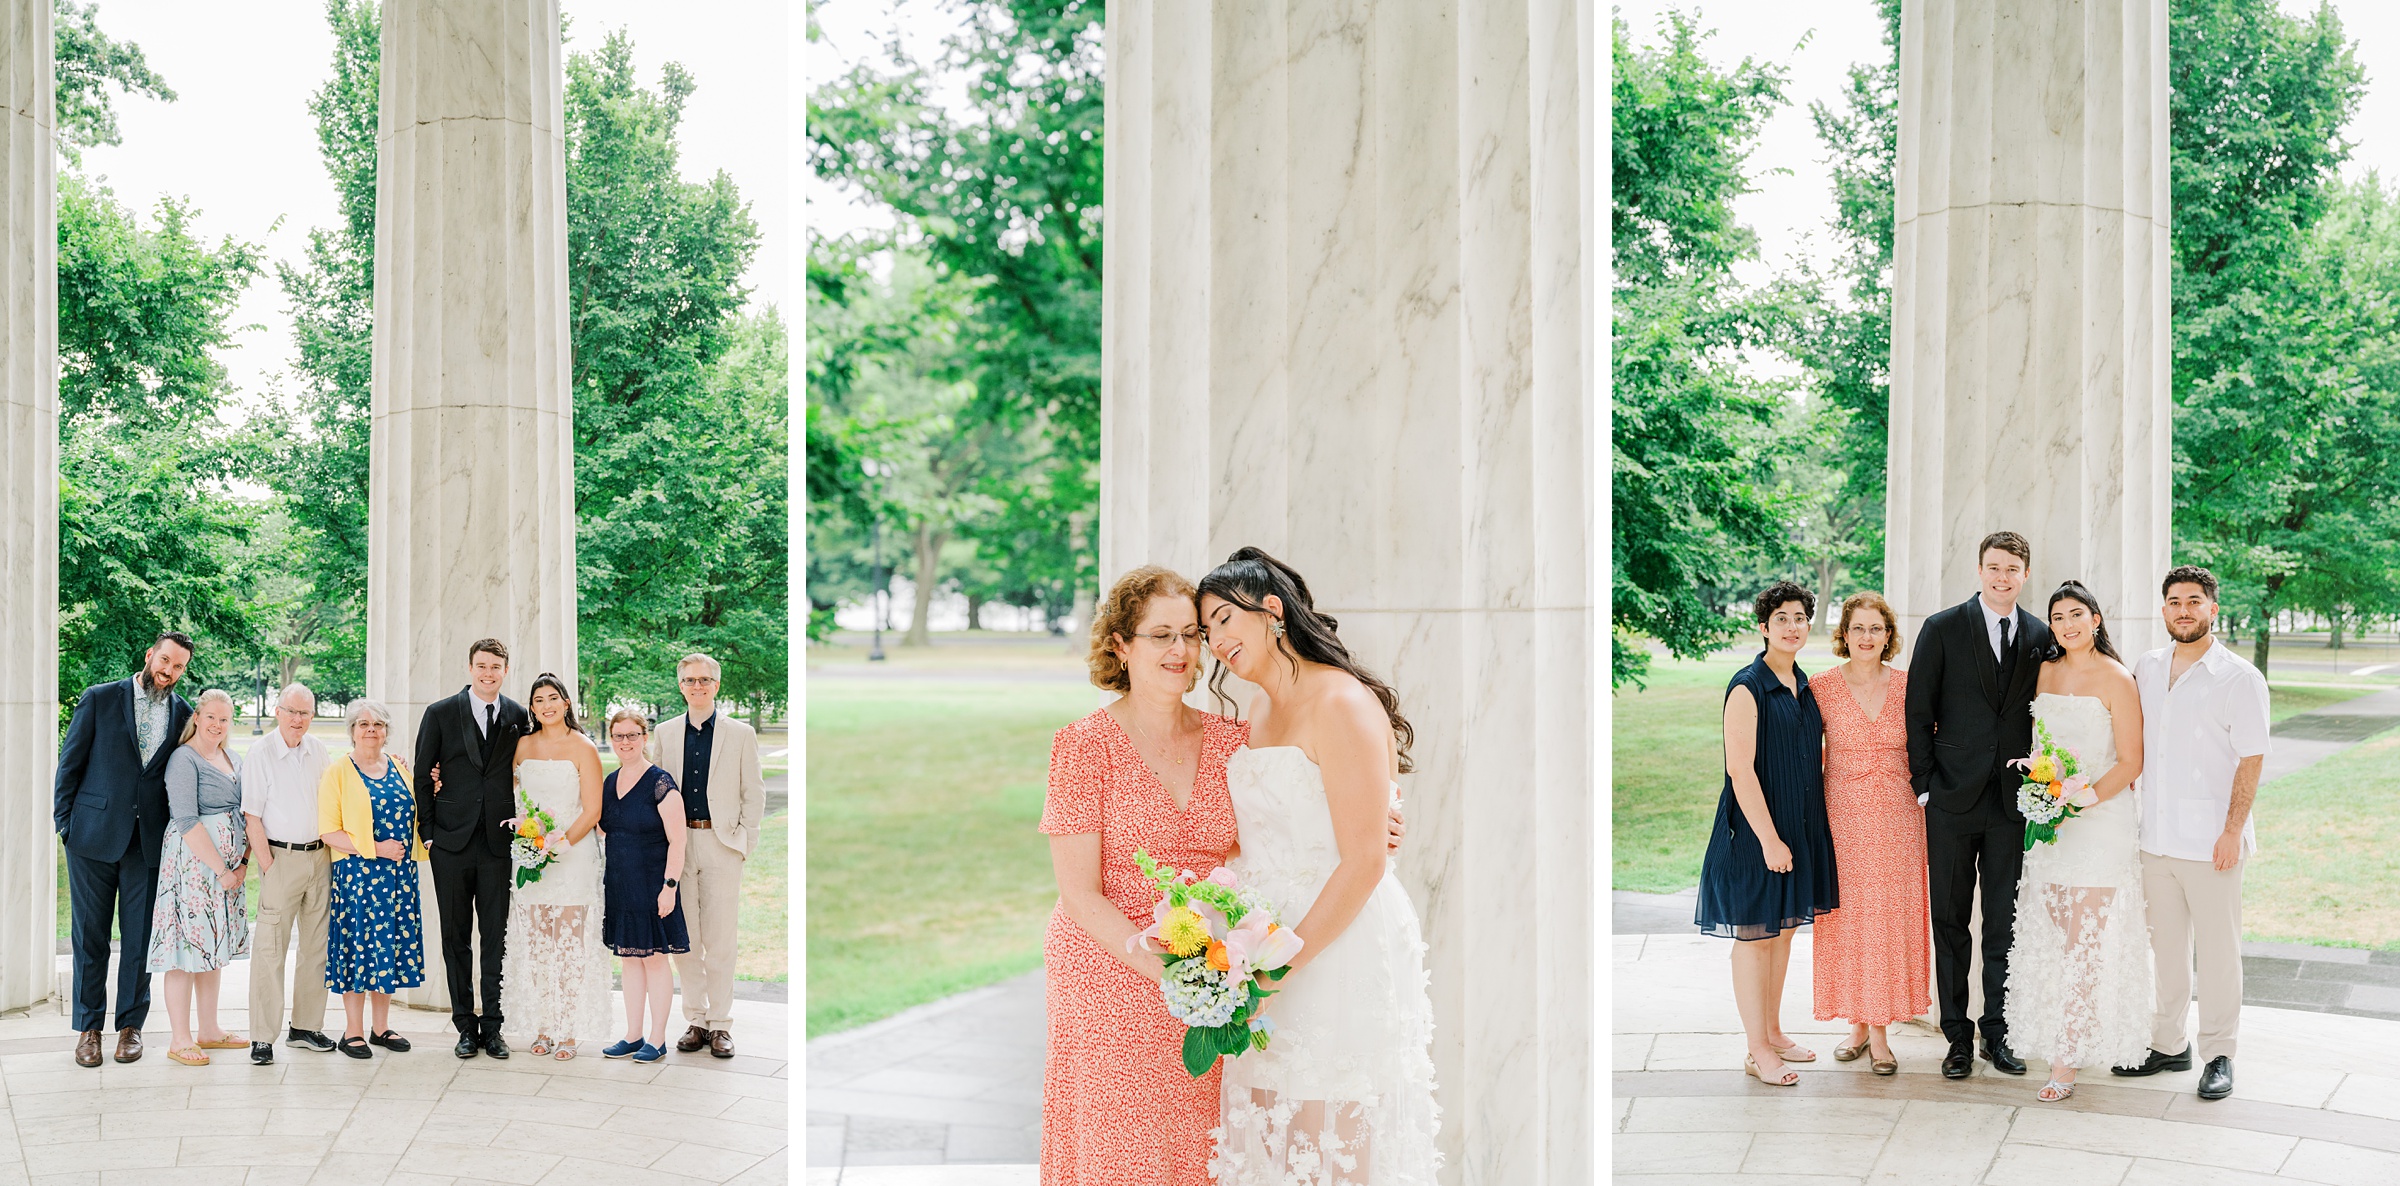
x,y
262,1053
2155,1062
355,1048
495,1047
390,1040
1960,1062
467,1046
2216,1082
1997,1054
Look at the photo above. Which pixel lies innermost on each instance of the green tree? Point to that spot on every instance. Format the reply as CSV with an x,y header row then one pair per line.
x,y
88,62
1692,453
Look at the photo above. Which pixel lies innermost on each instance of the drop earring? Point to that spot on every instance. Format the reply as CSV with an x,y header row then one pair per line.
x,y
1276,626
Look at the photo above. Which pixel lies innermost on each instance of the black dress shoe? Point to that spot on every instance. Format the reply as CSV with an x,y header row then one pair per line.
x,y
390,1040
2155,1062
468,1045
495,1047
262,1053
1960,1062
2216,1080
1996,1052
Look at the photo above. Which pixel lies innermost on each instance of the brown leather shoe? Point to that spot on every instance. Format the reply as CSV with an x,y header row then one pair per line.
x,y
87,1049
129,1044
720,1043
692,1039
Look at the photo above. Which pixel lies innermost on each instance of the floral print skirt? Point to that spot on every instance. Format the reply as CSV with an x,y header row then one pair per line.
x,y
377,937
196,924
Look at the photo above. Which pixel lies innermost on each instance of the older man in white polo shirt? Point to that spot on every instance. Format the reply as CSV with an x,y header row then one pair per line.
x,y
280,777
2204,727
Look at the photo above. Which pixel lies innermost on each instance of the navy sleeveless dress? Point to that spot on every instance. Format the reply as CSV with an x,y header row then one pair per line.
x,y
634,868
1739,897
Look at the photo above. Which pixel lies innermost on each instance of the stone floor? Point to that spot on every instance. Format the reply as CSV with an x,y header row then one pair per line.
x,y
956,1082
2317,1100
423,1118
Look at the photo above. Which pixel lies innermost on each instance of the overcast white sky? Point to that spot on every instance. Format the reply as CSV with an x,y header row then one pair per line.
x,y
1791,210
240,144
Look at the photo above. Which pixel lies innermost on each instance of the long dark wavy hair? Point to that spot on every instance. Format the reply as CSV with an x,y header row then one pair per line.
x,y
1247,579
2074,590
547,680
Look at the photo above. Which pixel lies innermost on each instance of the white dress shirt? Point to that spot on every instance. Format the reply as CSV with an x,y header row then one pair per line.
x,y
483,711
2193,736
279,785
1991,627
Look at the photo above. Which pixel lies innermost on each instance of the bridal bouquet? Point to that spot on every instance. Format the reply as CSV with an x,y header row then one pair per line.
x,y
2054,790
1216,938
526,850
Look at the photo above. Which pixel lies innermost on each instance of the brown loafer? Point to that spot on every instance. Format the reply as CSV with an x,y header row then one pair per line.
x,y
129,1044
693,1039
87,1049
720,1043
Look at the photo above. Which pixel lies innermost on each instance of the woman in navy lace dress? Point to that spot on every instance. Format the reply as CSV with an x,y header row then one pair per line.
x,y
642,822
1769,864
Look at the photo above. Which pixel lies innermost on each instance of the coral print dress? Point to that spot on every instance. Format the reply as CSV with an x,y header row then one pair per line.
x,y
1874,955
1117,1106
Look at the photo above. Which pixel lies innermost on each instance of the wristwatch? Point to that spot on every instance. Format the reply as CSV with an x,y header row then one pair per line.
x,y
673,884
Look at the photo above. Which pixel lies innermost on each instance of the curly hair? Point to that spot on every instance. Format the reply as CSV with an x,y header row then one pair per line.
x,y
1779,595
1119,614
1891,624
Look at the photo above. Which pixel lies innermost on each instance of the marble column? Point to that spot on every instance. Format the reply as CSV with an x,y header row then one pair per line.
x,y
1346,319
471,520
28,505
2029,312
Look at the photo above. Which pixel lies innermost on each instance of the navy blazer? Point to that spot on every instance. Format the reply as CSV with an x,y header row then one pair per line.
x,y
106,794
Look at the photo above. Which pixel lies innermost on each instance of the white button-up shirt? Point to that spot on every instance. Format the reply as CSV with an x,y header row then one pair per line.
x,y
279,785
1991,627
2193,736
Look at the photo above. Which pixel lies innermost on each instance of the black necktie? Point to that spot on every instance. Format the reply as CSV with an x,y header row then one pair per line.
x,y
491,712
2008,654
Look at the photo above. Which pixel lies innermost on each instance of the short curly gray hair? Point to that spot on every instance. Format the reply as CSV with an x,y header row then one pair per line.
x,y
363,708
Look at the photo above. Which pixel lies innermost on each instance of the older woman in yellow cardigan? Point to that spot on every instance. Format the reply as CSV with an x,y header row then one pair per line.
x,y
377,941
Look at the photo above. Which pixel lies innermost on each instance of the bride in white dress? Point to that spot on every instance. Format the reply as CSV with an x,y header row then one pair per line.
x,y
1343,1095
553,972
2079,976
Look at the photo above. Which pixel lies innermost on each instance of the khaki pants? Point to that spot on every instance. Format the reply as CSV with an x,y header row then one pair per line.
x,y
712,905
296,892
2195,910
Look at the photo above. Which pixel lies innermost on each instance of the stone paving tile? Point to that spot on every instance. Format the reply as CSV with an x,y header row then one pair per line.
x,y
2163,1140
1853,1117
2342,1165
705,1162
2040,1165
1786,1153
271,1149
484,1163
1941,1144
2149,1172
728,1134
600,1097
576,1171
1717,1152
188,1122
99,1155
973,1143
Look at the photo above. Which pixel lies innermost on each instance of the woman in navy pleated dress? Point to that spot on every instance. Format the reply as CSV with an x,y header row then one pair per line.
x,y
642,824
1769,864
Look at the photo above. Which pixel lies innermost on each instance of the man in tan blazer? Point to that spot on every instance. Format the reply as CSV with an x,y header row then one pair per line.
x,y
714,760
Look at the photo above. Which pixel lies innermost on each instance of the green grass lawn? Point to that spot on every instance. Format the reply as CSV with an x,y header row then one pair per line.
x,y
926,875
1669,752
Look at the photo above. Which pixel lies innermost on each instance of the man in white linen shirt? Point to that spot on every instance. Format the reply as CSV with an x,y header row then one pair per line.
x,y
280,777
2204,725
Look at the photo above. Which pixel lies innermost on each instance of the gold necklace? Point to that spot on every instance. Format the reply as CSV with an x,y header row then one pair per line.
x,y
1137,727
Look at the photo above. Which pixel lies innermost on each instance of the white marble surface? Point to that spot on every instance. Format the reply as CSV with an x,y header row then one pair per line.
x,y
28,502
1346,320
2029,320
471,524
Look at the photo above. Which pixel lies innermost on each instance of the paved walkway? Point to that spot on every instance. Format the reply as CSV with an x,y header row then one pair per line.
x,y
955,1082
424,1118
2317,1100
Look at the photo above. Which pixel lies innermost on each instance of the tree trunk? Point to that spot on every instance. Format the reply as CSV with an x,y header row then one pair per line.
x,y
2336,643
975,606
929,572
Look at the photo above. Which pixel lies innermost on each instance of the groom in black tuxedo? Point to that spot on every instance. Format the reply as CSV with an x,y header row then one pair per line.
x,y
1970,712
466,747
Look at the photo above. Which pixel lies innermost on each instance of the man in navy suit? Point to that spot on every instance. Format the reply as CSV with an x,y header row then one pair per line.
x,y
111,813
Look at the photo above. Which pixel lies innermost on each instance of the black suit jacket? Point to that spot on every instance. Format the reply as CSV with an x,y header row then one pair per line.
x,y
1963,725
105,794
478,775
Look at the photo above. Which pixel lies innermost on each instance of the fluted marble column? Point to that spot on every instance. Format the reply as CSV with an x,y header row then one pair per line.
x,y
471,521
28,505
1345,319
2029,309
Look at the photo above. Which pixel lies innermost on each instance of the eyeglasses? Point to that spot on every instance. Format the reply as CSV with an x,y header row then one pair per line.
x,y
694,681
1167,638
625,736
370,725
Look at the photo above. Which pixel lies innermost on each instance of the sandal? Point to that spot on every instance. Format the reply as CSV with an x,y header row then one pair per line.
x,y
2054,1091
541,1045
1787,1053
190,1056
565,1050
1791,1078
1849,1053
228,1042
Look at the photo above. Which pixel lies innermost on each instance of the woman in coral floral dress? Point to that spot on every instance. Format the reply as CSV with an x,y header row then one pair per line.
x,y
1872,955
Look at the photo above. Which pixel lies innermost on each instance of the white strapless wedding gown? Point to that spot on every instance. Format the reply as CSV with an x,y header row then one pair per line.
x,y
553,971
2079,975
1343,1094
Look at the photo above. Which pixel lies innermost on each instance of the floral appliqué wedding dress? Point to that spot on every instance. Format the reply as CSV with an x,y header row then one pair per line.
x,y
1343,1094
2079,977
554,973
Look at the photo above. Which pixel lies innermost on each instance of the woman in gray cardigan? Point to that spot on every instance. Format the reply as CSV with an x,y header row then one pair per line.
x,y
199,923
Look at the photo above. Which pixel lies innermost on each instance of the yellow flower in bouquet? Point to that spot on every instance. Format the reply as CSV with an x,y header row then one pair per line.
x,y
530,828
2045,769
1184,932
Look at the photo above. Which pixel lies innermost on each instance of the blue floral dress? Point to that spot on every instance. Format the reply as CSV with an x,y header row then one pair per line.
x,y
377,940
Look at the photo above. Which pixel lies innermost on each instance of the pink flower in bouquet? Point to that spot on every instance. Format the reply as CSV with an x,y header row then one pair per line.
x,y
1260,946
2079,792
1225,877
1150,940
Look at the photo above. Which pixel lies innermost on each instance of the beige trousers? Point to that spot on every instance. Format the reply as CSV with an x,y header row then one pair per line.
x,y
2195,910
712,905
296,893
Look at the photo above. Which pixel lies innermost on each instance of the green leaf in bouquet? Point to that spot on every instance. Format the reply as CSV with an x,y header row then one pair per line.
x,y
1199,1051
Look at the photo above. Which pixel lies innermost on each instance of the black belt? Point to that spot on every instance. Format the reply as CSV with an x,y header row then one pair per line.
x,y
311,846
